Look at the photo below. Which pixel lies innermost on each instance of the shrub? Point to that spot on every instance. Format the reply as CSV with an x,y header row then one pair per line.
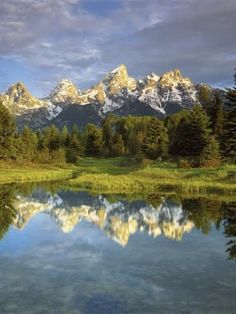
x,y
184,163
211,163
146,162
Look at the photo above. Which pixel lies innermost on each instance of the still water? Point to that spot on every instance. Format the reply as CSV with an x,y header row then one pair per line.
x,y
71,252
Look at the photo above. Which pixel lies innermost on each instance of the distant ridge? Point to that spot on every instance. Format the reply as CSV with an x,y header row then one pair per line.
x,y
117,93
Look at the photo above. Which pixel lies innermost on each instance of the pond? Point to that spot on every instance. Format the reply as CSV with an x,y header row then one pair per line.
x,y
65,251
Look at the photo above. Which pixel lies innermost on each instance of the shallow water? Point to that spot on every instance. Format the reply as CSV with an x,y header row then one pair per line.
x,y
70,252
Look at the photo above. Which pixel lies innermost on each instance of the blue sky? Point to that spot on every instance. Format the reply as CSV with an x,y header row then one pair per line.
x,y
45,41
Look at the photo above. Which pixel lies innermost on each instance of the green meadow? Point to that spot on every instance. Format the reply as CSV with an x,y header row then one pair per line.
x,y
30,173
119,175
124,176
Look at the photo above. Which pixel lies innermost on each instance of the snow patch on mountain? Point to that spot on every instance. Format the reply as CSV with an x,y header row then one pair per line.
x,y
165,94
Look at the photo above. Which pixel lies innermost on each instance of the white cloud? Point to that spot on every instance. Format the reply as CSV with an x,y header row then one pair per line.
x,y
60,38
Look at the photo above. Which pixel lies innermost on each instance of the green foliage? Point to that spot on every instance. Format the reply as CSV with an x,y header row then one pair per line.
x,y
47,156
28,143
7,210
74,148
205,96
115,176
155,139
192,133
184,163
218,118
94,142
117,146
7,134
229,133
51,138
210,156
75,131
64,136
190,136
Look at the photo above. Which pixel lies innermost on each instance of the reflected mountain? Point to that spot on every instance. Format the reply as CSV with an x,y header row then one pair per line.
x,y
118,219
171,217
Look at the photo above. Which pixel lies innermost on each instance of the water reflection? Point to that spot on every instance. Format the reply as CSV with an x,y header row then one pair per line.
x,y
171,217
7,209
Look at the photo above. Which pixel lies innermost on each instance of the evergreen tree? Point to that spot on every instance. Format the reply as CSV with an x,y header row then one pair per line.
x,y
7,134
155,140
94,142
135,143
215,112
51,138
75,131
74,149
229,134
218,120
107,133
65,136
28,144
118,147
210,156
192,134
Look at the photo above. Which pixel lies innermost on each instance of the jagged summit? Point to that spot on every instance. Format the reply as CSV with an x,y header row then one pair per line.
x,y
18,91
64,92
121,68
117,80
18,98
117,92
174,77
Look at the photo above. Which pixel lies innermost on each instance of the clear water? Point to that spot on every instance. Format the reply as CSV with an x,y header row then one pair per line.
x,y
71,252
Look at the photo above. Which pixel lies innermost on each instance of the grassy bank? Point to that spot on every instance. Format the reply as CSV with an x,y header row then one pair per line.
x,y
24,174
122,176
119,176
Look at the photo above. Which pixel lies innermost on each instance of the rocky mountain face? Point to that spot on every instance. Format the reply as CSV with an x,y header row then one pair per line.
x,y
117,93
119,220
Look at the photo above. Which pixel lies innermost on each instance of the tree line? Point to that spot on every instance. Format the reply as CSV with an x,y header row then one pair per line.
x,y
202,136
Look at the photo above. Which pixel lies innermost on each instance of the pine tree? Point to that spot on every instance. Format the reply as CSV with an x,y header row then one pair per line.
x,y
107,133
229,134
218,121
210,156
94,142
117,147
65,136
192,134
155,140
74,149
28,144
75,131
7,134
51,138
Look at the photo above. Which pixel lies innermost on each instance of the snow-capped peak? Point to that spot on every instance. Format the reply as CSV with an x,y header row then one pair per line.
x,y
64,92
153,76
174,77
117,80
120,68
117,92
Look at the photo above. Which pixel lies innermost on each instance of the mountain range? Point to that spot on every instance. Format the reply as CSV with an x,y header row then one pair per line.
x,y
118,219
117,93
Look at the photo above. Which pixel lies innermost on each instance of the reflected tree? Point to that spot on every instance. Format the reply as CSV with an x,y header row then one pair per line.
x,y
7,210
203,213
229,224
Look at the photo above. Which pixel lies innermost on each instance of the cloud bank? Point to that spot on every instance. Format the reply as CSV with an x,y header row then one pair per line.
x,y
83,39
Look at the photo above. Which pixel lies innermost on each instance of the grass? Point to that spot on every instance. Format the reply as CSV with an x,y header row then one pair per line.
x,y
117,176
30,173
122,176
